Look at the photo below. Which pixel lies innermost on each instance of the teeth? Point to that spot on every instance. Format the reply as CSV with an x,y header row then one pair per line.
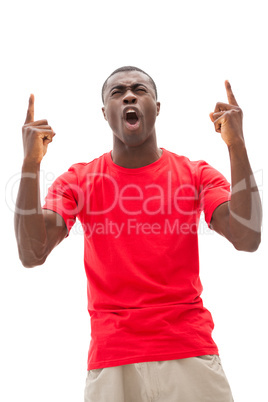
x,y
131,111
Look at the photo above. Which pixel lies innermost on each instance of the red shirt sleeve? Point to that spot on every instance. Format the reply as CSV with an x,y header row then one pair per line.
x,y
214,189
63,197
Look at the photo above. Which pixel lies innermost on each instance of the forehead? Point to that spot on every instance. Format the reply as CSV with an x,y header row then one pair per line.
x,y
128,78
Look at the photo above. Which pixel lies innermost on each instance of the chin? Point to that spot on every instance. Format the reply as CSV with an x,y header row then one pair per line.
x,y
133,140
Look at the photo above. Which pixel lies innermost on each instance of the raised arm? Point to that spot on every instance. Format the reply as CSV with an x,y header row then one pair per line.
x,y
239,220
37,231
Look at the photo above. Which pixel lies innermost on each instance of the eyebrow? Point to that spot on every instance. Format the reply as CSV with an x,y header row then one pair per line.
x,y
122,87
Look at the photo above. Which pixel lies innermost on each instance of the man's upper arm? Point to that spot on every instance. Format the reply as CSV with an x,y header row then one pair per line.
x,y
220,220
56,229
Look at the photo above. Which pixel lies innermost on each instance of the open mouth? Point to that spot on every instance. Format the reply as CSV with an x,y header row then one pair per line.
x,y
131,117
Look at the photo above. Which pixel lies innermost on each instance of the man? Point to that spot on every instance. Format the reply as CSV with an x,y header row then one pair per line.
x,y
140,206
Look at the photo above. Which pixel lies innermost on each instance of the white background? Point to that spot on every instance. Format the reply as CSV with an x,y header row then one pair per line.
x,y
62,51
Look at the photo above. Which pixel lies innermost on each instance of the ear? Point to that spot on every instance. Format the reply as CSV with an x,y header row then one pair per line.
x,y
104,114
158,107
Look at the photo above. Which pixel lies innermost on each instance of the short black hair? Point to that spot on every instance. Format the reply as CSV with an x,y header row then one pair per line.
x,y
127,68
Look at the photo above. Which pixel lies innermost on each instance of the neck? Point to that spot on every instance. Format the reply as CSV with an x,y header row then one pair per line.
x,y
135,156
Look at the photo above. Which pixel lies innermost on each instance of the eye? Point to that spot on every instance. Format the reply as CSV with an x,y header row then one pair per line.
x,y
141,89
115,92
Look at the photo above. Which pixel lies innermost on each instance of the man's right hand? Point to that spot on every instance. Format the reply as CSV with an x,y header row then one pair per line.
x,y
36,136
37,230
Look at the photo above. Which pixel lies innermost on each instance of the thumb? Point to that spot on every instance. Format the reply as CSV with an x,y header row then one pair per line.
x,y
30,111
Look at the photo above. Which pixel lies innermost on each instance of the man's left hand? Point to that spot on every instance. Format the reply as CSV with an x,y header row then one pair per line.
x,y
227,119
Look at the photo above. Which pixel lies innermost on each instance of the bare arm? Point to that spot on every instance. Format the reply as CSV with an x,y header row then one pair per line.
x,y
37,231
239,220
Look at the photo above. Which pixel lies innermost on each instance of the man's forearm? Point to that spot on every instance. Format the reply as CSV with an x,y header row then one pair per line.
x,y
30,226
245,205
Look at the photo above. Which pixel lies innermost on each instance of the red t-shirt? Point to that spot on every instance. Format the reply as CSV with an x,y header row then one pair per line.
x,y
141,254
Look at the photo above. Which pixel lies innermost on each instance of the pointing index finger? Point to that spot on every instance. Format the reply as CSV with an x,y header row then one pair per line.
x,y
30,111
230,95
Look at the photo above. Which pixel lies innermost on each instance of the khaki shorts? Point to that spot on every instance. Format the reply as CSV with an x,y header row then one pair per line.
x,y
195,379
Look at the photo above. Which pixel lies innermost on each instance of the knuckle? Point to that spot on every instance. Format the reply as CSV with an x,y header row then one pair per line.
x,y
26,129
235,111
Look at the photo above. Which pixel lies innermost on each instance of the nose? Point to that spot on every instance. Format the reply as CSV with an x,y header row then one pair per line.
x,y
129,98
